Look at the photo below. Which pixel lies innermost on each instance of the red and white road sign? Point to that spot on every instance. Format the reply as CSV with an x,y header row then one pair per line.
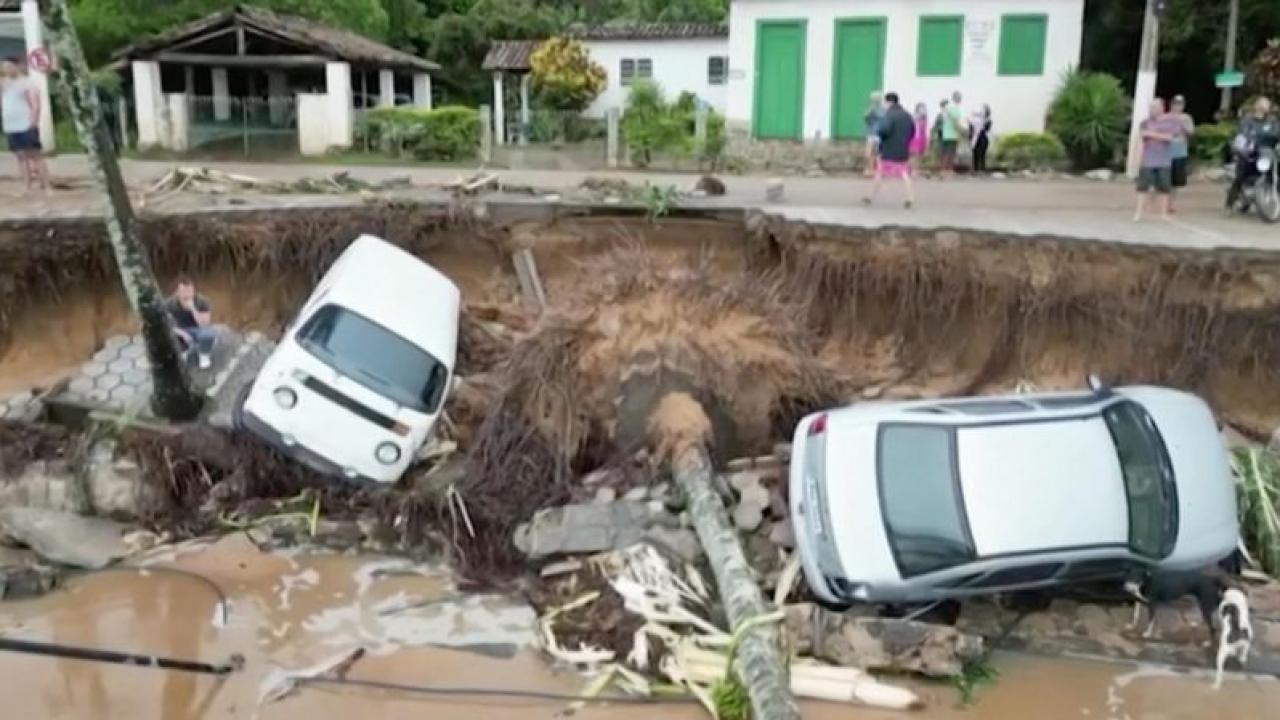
x,y
38,59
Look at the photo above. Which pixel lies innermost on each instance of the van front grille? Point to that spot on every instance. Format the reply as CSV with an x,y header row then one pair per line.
x,y
338,398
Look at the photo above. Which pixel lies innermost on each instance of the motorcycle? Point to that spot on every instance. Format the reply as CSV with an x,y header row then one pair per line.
x,y
1260,187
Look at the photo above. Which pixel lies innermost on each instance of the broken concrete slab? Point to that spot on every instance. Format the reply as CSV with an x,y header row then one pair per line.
x,y
66,538
884,644
18,582
574,529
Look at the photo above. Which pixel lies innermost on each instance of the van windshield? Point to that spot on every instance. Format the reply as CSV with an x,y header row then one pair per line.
x,y
375,357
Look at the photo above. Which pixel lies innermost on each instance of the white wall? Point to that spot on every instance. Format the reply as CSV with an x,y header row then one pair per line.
x,y
314,135
1017,103
679,65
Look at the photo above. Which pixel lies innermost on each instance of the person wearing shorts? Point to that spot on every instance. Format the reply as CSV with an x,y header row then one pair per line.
x,y
1156,174
20,112
954,127
1181,147
896,131
871,124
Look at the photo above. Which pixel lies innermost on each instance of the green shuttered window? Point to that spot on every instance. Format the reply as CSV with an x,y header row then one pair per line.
x,y
1022,39
940,44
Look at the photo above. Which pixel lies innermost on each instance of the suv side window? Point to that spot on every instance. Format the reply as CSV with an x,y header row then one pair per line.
x,y
1020,575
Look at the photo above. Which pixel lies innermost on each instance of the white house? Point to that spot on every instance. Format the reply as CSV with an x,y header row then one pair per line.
x,y
805,70
679,57
21,32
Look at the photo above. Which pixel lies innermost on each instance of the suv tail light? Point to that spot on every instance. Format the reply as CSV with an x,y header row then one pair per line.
x,y
818,426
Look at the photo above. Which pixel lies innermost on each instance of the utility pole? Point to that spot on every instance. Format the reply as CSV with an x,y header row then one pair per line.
x,y
172,397
1145,89
1233,28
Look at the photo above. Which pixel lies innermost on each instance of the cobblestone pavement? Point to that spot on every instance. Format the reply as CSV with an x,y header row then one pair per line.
x,y
117,378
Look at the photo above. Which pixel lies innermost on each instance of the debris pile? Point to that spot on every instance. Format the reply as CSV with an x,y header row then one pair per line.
x,y
216,182
663,630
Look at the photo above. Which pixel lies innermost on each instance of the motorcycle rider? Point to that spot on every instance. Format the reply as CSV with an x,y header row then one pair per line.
x,y
1260,124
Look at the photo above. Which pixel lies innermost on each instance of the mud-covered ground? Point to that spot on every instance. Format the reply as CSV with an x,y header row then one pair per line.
x,y
759,324
294,611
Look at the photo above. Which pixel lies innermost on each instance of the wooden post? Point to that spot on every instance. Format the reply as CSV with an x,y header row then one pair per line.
x,y
172,397
611,138
486,135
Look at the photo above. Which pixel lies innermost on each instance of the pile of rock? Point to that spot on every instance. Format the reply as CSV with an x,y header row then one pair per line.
x,y
756,491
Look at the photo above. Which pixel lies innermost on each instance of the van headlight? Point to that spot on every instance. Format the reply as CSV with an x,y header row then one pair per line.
x,y
387,453
285,397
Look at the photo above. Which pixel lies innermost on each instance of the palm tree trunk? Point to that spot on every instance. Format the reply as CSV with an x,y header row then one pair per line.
x,y
760,661
172,397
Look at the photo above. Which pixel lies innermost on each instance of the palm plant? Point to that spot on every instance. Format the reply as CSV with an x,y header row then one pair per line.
x,y
1090,114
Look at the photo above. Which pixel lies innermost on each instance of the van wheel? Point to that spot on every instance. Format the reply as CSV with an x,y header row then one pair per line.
x,y
237,410
942,612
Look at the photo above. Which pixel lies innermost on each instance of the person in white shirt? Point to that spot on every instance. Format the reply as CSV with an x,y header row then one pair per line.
x,y
20,116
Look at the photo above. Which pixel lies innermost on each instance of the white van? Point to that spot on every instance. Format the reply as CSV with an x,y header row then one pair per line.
x,y
360,376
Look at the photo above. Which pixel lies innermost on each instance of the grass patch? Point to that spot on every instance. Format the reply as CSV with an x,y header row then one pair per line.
x,y
976,674
1257,473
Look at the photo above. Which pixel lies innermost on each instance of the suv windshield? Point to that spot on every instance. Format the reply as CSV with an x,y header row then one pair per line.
x,y
1148,480
375,357
920,499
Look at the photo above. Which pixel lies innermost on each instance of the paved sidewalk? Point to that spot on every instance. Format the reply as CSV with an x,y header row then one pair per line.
x,y
1066,207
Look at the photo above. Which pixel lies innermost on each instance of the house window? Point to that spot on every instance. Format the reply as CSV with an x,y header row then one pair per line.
x,y
1022,40
717,70
941,40
633,68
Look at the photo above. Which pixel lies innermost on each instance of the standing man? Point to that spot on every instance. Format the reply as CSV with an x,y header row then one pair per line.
x,y
20,111
1158,132
896,131
1181,146
954,127
192,317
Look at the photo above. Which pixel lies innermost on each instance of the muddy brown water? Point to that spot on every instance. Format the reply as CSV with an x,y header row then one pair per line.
x,y
294,611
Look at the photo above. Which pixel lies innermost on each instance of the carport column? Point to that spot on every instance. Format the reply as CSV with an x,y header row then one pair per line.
x,y
386,88
147,104
524,109
499,115
337,76
277,96
422,90
221,94
33,29
179,135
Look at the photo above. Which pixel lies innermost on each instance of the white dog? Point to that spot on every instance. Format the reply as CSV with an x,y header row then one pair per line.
x,y
1235,633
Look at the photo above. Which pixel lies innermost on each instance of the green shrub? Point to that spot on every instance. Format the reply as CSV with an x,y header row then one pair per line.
x,y
1090,115
443,134
1211,140
1029,151
650,125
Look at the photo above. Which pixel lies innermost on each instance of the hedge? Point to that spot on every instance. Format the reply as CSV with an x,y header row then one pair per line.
x,y
447,133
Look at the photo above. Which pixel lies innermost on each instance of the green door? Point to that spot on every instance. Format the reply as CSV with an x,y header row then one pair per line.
x,y
779,96
858,71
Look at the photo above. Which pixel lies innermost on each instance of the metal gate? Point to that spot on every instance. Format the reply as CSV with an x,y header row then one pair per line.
x,y
229,127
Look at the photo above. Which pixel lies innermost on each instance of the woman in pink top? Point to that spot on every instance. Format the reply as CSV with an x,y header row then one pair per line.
x,y
920,141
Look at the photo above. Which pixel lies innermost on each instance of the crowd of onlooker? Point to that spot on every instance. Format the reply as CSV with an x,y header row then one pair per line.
x,y
898,141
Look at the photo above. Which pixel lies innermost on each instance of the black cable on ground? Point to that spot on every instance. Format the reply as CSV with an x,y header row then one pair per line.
x,y
73,652
496,692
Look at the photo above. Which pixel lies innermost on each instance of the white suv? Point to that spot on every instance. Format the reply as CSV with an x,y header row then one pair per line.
x,y
925,500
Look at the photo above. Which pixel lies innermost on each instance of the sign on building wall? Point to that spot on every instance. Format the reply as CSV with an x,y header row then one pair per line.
x,y
979,42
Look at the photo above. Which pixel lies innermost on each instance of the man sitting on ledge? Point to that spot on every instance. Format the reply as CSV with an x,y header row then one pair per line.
x,y
192,321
